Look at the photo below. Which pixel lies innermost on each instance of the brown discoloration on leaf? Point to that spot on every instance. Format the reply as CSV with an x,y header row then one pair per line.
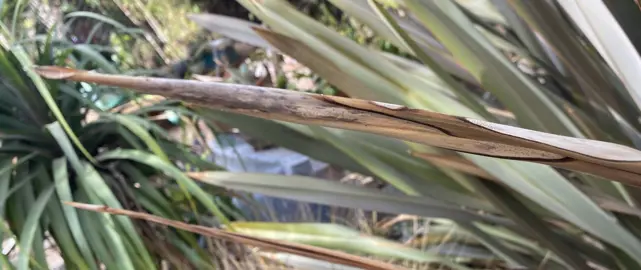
x,y
456,133
282,246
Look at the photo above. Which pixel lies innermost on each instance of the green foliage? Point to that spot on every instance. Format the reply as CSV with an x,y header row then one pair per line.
x,y
58,146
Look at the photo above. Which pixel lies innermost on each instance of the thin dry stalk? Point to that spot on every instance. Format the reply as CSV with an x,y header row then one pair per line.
x,y
287,247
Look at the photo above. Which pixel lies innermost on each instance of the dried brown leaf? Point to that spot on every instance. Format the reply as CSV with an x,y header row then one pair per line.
x,y
613,161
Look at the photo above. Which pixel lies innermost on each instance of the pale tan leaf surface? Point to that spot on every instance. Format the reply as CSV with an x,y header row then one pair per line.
x,y
613,161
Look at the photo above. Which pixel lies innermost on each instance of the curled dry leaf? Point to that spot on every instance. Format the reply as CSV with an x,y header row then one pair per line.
x,y
273,245
613,161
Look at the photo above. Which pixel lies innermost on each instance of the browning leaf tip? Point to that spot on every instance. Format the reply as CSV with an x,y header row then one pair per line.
x,y
55,73
90,207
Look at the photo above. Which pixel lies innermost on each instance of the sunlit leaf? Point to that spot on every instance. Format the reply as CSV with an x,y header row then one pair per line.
x,y
337,237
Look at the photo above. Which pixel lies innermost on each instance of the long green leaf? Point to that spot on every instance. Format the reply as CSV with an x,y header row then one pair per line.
x,y
28,234
627,15
16,84
103,19
87,51
234,28
19,206
57,224
596,21
592,86
95,230
99,192
361,10
61,180
49,99
6,168
286,137
524,98
513,258
140,131
525,34
524,216
308,189
171,170
387,173
5,181
463,94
